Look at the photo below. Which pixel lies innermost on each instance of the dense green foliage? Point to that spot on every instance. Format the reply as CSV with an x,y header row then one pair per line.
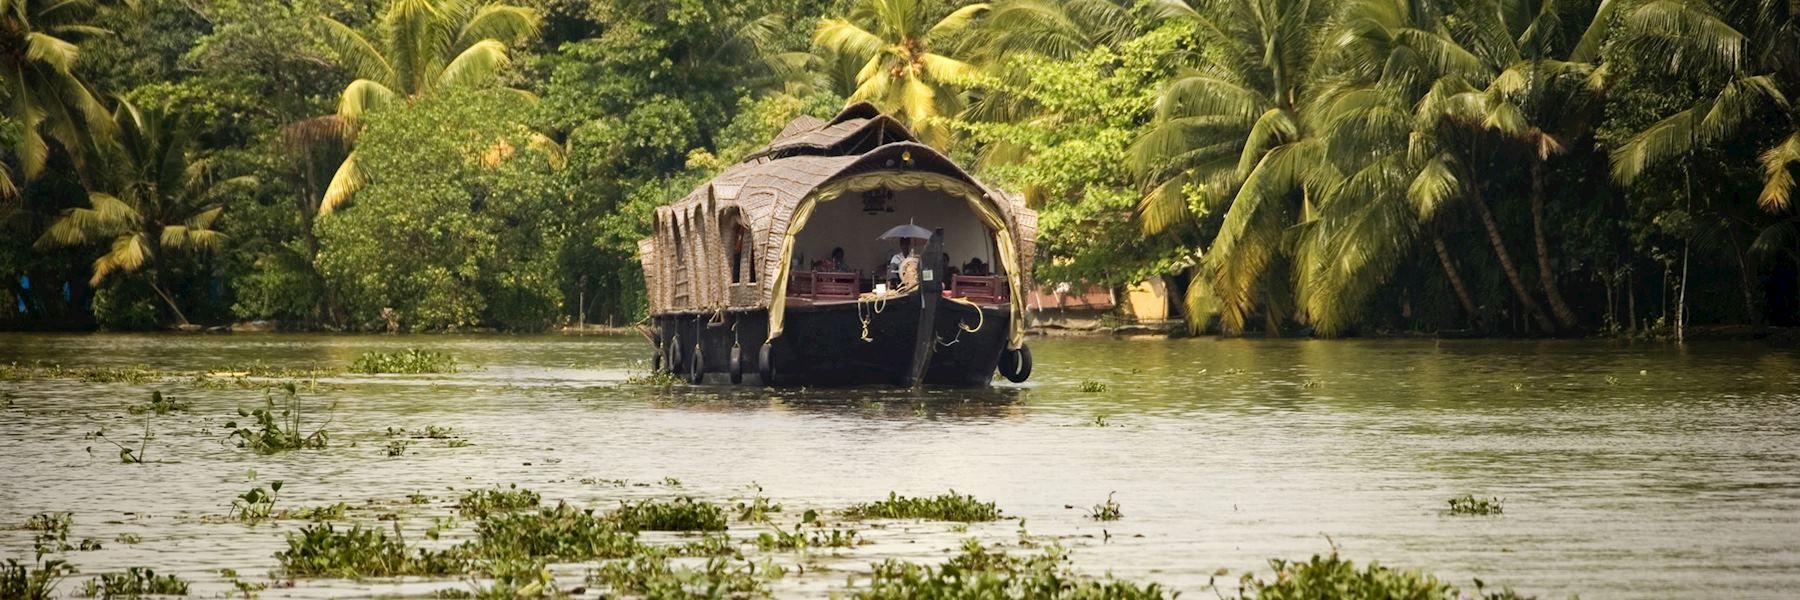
x,y
1508,166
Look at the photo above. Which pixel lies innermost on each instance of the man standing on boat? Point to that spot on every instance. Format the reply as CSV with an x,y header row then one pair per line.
x,y
899,259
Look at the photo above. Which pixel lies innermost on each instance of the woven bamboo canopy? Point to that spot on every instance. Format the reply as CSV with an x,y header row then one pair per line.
x,y
687,260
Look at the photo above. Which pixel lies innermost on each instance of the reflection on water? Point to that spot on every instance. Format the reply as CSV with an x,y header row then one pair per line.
x,y
1628,471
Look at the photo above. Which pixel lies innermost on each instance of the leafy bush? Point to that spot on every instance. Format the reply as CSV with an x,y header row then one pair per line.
x,y
280,284
278,428
680,514
412,360
134,582
946,507
126,305
481,503
980,573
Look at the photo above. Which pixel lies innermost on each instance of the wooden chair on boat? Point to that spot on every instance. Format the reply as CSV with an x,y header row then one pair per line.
x,y
834,286
978,289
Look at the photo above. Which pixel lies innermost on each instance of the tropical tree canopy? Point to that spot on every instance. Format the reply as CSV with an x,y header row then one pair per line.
x,y
421,46
164,198
43,94
904,47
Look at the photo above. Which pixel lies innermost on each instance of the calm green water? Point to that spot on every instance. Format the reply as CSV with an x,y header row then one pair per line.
x,y
1628,471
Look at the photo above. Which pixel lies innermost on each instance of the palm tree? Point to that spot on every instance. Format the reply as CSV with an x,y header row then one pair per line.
x,y
1394,54
1230,136
42,94
901,45
1546,96
423,46
163,200
1755,46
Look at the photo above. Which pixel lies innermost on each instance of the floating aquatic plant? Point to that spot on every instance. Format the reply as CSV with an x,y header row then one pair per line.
x,y
134,582
654,576
279,427
322,550
159,405
800,540
1470,505
758,508
945,507
1089,386
1335,577
978,572
482,502
1106,511
680,514
256,505
50,532
562,533
409,361
25,581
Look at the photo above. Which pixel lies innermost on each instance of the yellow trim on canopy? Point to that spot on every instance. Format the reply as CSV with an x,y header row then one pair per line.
x,y
898,180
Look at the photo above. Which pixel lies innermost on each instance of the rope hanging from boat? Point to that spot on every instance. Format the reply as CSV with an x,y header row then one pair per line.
x,y
980,317
876,303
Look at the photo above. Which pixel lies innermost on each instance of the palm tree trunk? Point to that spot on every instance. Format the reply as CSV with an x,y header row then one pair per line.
x,y
1456,282
1745,278
167,299
1564,316
1506,263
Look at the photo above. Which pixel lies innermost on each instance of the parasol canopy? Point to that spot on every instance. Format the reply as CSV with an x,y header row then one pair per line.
x,y
908,230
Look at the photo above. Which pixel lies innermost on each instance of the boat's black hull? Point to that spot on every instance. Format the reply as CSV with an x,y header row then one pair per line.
x,y
824,345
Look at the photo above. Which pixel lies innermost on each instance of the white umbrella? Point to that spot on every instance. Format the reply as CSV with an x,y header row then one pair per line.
x,y
908,230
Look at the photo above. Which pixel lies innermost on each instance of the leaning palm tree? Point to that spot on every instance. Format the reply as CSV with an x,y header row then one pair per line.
x,y
164,198
423,46
1755,46
43,94
901,45
1230,136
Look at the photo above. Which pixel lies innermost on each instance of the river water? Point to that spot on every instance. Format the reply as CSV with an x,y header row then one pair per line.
x,y
1626,470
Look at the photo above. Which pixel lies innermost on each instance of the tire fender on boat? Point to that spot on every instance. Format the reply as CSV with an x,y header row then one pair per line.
x,y
737,364
673,360
697,366
1015,365
765,363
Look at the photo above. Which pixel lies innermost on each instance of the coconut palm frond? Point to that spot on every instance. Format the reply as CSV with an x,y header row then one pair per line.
x,y
106,216
51,50
843,37
1681,33
362,97
498,22
357,54
128,253
350,178
956,22
1779,163
475,66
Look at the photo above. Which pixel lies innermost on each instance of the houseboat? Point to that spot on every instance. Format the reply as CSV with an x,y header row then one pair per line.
x,y
843,253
